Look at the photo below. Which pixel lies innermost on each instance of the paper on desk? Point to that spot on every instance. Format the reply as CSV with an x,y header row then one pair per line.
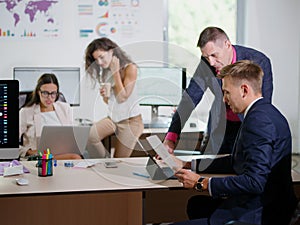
x,y
12,168
85,164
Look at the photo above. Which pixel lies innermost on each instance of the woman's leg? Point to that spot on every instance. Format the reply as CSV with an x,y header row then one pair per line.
x,y
98,132
128,132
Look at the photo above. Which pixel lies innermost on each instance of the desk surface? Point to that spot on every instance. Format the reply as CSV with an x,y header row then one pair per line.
x,y
93,179
96,178
96,195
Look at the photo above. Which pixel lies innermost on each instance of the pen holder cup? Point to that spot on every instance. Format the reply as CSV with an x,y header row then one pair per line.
x,y
45,167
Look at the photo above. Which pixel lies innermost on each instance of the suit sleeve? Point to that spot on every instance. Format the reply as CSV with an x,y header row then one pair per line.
x,y
267,88
221,165
252,160
191,97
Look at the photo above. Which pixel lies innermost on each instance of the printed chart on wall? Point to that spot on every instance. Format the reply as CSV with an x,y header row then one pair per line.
x,y
116,19
30,19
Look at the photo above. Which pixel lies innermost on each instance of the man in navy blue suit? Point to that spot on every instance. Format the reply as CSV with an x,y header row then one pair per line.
x,y
260,191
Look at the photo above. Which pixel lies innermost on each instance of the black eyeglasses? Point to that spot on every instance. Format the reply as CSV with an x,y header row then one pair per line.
x,y
45,94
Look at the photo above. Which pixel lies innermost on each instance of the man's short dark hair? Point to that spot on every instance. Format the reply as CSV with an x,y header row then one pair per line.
x,y
211,34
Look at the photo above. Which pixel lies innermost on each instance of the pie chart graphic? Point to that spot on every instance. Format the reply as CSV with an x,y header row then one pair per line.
x,y
102,29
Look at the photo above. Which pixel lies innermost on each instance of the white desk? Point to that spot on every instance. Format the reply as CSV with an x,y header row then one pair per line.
x,y
200,127
95,195
96,178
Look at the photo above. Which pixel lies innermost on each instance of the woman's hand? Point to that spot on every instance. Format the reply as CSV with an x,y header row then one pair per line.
x,y
103,94
114,65
31,152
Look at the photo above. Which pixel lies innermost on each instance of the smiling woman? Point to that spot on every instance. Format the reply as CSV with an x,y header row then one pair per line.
x,y
43,109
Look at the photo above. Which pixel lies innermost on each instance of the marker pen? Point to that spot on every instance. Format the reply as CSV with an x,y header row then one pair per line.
x,y
140,175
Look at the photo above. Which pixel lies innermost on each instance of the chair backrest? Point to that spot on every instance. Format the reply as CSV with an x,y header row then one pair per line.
x,y
25,96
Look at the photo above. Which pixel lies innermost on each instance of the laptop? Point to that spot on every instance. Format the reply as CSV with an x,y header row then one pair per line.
x,y
159,171
64,139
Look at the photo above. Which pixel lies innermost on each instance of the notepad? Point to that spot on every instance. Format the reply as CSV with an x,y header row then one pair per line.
x,y
12,168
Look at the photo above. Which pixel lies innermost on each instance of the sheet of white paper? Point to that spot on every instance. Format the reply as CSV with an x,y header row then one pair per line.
x,y
13,170
161,150
84,164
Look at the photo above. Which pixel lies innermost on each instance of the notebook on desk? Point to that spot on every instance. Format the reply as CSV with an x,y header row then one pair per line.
x,y
64,139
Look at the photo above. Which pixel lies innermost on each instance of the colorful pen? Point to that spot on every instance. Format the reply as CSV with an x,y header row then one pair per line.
x,y
140,175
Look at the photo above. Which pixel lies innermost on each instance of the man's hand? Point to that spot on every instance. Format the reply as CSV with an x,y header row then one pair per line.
x,y
187,178
170,145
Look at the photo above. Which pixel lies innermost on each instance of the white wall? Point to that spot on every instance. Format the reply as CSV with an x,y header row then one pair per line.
x,y
273,26
68,50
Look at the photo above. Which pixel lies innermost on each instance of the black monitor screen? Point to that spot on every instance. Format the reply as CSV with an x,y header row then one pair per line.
x,y
68,79
9,114
161,86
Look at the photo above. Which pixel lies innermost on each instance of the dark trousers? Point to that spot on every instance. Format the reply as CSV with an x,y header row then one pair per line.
x,y
202,206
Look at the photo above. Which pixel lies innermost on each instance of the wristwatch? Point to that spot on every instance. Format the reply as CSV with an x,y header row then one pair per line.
x,y
199,184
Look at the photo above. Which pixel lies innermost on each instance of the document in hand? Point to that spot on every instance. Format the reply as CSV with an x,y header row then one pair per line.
x,y
157,171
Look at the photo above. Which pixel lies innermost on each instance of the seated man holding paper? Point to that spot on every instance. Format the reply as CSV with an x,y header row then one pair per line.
x,y
260,191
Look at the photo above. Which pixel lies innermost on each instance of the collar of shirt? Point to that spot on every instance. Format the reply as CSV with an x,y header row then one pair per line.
x,y
234,55
249,106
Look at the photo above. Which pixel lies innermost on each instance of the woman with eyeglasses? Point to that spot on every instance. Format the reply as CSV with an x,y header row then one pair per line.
x,y
43,109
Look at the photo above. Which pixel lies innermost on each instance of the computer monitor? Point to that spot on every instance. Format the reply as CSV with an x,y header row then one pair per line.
x,y
160,86
68,79
9,119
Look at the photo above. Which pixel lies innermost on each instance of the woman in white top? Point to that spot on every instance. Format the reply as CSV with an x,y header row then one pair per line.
x,y
43,109
106,62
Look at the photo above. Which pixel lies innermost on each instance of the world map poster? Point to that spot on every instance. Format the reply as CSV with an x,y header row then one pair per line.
x,y
30,19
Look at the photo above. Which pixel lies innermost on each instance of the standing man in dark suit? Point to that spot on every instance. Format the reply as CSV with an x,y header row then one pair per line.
x,y
260,191
217,52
